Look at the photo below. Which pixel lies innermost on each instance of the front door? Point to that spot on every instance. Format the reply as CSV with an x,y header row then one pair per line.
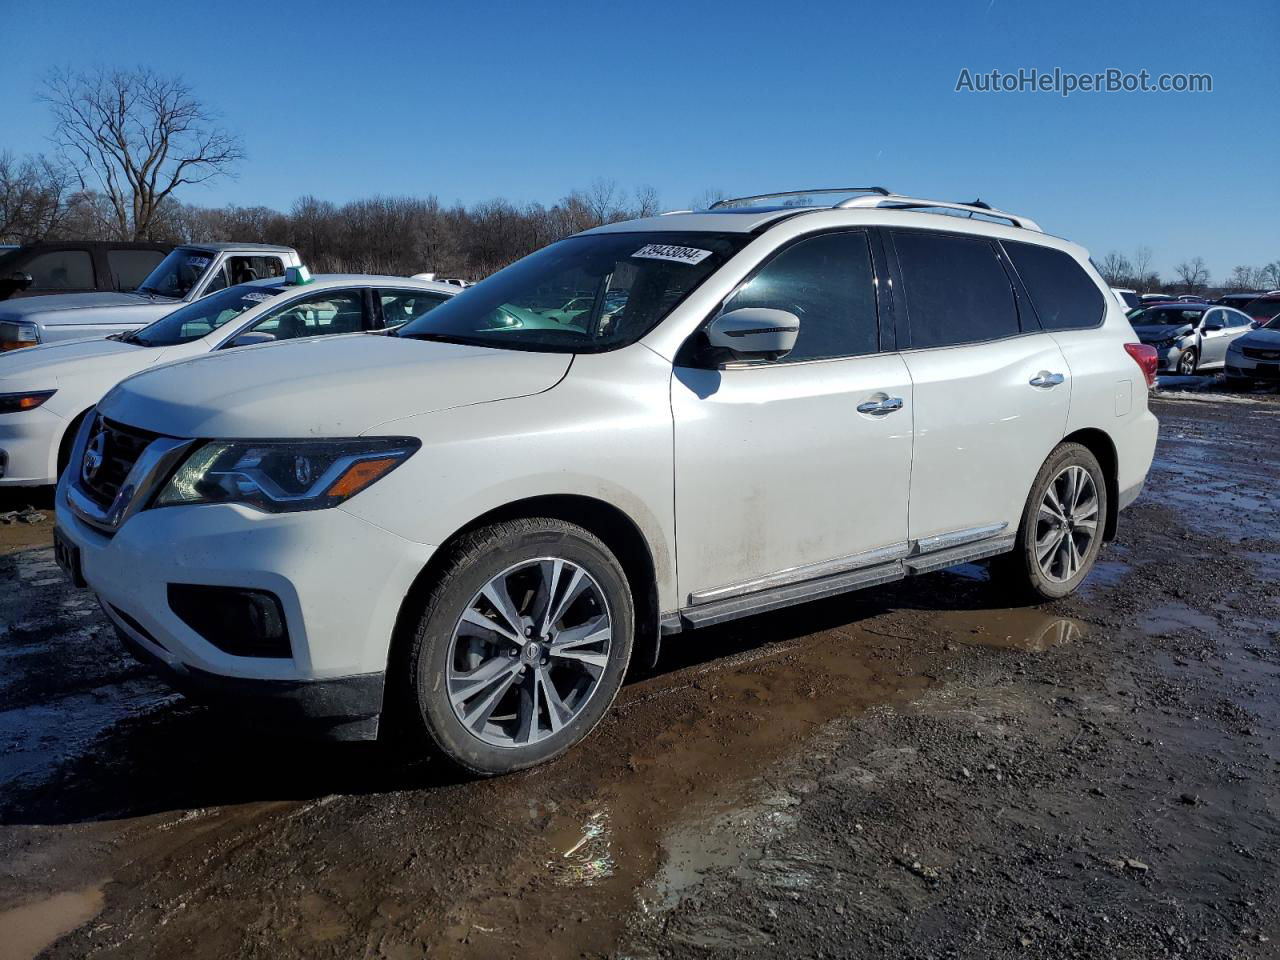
x,y
779,476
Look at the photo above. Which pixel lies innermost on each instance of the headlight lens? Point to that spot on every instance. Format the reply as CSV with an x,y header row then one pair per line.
x,y
284,476
16,334
16,402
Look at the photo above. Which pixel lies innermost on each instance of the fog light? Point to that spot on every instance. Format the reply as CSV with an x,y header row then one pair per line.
x,y
241,622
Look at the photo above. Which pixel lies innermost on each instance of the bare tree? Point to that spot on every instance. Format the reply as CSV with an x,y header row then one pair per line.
x,y
1246,278
32,198
1192,274
1116,269
137,136
1144,277
707,197
647,204
1270,275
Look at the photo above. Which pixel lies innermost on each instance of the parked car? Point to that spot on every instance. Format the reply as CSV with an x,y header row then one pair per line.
x,y
1149,298
1189,337
1129,298
188,273
466,530
46,392
1264,308
1255,356
44,269
1239,301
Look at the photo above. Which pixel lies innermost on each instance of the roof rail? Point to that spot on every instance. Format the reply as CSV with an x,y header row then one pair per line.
x,y
736,201
975,209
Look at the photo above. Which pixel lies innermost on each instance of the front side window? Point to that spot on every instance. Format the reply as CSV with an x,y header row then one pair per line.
x,y
401,306
956,290
130,268
178,273
61,270
1061,292
247,269
202,317
327,312
582,295
828,282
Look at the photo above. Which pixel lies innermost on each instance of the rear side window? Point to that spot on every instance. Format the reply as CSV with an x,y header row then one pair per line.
x,y
955,288
61,270
827,281
1062,293
130,267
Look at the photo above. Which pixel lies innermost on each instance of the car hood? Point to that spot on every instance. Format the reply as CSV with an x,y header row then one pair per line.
x,y
36,307
1152,332
1266,339
338,386
48,363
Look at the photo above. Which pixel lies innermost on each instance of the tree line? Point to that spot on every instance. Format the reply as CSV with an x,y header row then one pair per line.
x,y
126,141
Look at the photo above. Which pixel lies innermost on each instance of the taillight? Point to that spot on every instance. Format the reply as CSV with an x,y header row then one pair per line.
x,y
1144,355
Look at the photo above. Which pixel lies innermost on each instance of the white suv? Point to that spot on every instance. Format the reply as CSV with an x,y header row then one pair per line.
x,y
469,529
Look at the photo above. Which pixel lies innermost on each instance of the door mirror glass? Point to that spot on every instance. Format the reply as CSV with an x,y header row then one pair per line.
x,y
20,280
755,333
251,338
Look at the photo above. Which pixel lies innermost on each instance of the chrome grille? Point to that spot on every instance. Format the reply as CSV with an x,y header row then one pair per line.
x,y
110,453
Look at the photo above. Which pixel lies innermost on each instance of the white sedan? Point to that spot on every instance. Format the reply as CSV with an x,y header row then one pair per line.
x,y
45,391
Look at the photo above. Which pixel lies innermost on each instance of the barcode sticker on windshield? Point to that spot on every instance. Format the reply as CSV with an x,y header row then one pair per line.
x,y
663,251
257,297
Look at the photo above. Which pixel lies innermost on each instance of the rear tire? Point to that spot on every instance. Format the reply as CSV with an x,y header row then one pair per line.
x,y
521,647
1062,526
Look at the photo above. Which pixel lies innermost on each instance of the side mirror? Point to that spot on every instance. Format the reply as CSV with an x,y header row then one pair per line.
x,y
251,338
1212,327
20,280
755,333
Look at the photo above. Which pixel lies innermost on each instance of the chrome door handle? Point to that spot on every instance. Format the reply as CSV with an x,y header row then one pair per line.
x,y
1046,379
881,405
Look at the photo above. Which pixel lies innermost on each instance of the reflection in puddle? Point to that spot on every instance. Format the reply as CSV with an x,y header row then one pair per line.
x,y
1016,628
589,860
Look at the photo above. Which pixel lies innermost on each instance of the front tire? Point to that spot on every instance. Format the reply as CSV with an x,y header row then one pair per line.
x,y
521,647
1062,526
1188,362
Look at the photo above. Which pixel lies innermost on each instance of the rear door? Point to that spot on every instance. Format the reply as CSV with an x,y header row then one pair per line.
x,y
992,390
779,477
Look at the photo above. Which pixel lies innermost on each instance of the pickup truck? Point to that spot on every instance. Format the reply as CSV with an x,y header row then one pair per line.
x,y
188,273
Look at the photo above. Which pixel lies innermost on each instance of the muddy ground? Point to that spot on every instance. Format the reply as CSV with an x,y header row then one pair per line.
x,y
915,771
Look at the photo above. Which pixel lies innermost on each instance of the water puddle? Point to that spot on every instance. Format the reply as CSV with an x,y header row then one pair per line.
x,y
27,930
1018,628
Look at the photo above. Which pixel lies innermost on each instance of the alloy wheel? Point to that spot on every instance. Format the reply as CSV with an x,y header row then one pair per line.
x,y
528,652
1066,524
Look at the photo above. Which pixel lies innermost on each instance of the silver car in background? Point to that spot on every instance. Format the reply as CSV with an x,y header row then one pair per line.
x,y
1189,337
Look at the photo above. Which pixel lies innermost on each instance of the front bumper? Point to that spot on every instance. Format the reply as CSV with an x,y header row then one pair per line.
x,y
339,579
1167,358
29,442
1240,367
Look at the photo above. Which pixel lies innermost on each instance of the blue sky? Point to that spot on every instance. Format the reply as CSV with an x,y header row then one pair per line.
x,y
527,101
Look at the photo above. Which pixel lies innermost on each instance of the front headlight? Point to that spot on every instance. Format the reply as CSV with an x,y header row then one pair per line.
x,y
16,334
283,476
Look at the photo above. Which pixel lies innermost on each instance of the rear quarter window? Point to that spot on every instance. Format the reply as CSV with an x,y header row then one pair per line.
x,y
1063,295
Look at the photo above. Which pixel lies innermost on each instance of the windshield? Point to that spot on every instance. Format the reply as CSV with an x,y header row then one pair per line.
x,y
581,295
201,318
1164,317
177,273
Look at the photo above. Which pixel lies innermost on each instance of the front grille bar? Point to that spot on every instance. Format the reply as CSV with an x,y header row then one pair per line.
x,y
152,468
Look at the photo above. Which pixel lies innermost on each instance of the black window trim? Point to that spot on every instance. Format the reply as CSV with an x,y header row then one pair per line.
x,y
1030,327
689,354
1102,299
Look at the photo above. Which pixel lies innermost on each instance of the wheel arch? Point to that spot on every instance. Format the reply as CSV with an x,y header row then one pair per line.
x,y
619,532
1100,444
68,441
